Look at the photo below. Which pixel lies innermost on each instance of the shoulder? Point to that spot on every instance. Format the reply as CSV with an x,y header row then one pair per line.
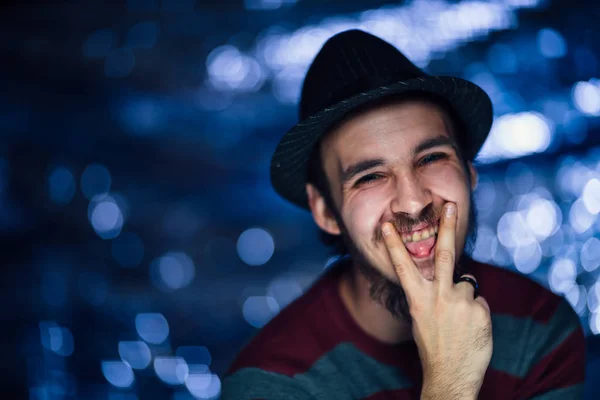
x,y
532,325
514,294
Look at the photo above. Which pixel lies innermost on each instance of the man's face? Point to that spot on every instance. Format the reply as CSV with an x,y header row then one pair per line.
x,y
395,163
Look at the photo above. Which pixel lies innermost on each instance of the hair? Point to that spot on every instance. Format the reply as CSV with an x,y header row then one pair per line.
x,y
316,171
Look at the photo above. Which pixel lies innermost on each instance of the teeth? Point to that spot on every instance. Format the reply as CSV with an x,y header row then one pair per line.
x,y
415,237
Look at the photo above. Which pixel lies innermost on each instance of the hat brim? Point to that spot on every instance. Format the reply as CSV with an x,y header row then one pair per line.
x,y
289,164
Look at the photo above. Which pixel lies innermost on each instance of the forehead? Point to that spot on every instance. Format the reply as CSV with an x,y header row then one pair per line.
x,y
387,131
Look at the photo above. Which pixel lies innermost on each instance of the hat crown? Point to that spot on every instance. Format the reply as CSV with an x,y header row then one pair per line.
x,y
350,63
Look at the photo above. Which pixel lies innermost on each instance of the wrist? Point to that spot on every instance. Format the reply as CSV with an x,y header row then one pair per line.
x,y
444,391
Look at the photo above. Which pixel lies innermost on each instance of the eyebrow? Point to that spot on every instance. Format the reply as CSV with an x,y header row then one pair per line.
x,y
437,141
366,165
359,167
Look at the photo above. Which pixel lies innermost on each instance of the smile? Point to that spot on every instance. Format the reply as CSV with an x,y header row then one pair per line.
x,y
421,234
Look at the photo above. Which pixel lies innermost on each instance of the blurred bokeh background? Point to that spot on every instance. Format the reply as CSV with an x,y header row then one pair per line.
x,y
142,244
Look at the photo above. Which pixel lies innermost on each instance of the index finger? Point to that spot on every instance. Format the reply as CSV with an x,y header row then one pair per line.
x,y
405,268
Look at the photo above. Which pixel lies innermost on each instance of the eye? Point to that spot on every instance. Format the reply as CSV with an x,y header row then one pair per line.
x,y
429,158
369,178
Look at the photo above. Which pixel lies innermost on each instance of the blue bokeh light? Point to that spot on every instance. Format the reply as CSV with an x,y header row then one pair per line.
x,y
173,271
135,353
258,310
128,249
198,358
58,339
152,327
61,186
171,370
95,180
255,246
106,217
204,386
118,373
551,43
284,290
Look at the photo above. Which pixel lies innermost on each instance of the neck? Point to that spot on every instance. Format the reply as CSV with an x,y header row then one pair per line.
x,y
369,314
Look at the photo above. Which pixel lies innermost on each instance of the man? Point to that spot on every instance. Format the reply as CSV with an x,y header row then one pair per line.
x,y
382,157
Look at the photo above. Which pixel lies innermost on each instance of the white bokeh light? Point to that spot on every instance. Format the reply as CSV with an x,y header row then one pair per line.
x,y
527,258
517,135
562,275
591,196
512,230
580,218
576,296
594,322
543,218
586,97
590,254
593,298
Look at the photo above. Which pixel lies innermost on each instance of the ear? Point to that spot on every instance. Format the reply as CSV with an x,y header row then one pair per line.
x,y
323,217
473,172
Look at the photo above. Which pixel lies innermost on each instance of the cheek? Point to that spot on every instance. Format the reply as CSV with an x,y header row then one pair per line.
x,y
447,182
362,215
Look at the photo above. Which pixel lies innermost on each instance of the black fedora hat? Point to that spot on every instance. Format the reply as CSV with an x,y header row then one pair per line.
x,y
352,69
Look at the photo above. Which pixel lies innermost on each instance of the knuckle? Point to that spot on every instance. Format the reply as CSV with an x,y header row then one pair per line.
x,y
480,313
400,269
445,256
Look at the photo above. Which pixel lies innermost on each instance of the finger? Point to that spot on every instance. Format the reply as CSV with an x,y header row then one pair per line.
x,y
445,247
483,302
466,288
405,269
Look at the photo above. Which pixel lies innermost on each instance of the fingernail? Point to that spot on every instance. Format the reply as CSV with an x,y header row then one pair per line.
x,y
450,209
386,229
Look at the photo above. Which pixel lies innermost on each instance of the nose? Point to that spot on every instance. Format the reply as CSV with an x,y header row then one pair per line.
x,y
410,196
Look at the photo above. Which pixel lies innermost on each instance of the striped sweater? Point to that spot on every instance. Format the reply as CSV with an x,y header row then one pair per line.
x,y
315,350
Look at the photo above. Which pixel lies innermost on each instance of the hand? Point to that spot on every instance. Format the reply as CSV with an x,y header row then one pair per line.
x,y
453,331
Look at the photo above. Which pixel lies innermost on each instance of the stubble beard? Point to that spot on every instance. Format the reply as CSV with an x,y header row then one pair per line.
x,y
389,293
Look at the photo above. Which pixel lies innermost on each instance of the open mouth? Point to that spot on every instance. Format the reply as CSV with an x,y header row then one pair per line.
x,y
420,243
